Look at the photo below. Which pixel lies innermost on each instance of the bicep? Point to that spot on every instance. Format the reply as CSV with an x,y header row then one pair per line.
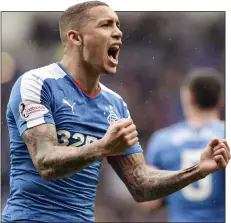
x,y
39,141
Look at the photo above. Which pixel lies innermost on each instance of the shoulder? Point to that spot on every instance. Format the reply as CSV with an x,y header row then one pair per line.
x,y
217,128
31,83
166,135
36,77
113,96
170,130
110,92
39,75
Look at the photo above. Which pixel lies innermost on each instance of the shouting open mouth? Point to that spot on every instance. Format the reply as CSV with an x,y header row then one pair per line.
x,y
113,53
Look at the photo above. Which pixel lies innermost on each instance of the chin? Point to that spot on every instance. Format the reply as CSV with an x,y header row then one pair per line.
x,y
110,70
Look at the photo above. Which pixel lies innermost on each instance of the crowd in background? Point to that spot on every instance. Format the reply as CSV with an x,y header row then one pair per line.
x,y
159,49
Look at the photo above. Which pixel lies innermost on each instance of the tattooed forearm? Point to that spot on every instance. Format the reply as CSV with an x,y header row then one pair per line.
x,y
146,183
53,161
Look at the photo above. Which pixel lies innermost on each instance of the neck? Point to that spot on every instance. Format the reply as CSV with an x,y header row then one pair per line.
x,y
84,75
198,118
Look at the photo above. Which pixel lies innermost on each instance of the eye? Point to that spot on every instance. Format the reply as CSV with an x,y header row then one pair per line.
x,y
106,25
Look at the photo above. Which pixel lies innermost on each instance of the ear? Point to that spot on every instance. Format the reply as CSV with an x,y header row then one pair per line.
x,y
74,37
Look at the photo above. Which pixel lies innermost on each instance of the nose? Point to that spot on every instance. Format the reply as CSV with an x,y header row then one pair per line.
x,y
117,34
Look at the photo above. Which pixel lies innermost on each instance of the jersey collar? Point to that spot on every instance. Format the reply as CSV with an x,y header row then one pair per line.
x,y
93,95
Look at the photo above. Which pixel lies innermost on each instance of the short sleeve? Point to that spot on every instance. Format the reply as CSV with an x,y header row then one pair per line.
x,y
153,150
136,148
30,102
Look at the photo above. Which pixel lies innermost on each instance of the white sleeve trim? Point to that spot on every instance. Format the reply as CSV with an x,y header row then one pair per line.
x,y
31,110
35,122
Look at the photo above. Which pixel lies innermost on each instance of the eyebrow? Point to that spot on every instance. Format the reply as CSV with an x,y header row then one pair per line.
x,y
110,20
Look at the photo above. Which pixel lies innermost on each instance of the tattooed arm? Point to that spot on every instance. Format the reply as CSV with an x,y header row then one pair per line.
x,y
53,161
153,205
146,183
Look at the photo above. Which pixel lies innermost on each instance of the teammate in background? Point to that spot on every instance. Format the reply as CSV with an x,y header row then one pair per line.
x,y
180,145
62,122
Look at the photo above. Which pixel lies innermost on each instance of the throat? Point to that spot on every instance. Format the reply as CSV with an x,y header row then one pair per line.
x,y
91,91
84,77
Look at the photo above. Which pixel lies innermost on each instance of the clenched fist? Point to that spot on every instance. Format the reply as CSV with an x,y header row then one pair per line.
x,y
215,157
120,136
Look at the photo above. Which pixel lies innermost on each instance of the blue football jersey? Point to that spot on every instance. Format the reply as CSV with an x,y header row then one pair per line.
x,y
50,95
178,147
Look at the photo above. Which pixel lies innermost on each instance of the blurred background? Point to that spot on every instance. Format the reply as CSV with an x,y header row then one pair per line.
x,y
159,49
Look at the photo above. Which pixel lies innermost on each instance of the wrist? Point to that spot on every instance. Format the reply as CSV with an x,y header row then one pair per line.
x,y
102,146
202,172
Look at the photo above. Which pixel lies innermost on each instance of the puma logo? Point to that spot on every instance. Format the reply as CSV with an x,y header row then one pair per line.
x,y
67,103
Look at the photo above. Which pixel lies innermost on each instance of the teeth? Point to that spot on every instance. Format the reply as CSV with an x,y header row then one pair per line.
x,y
115,47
